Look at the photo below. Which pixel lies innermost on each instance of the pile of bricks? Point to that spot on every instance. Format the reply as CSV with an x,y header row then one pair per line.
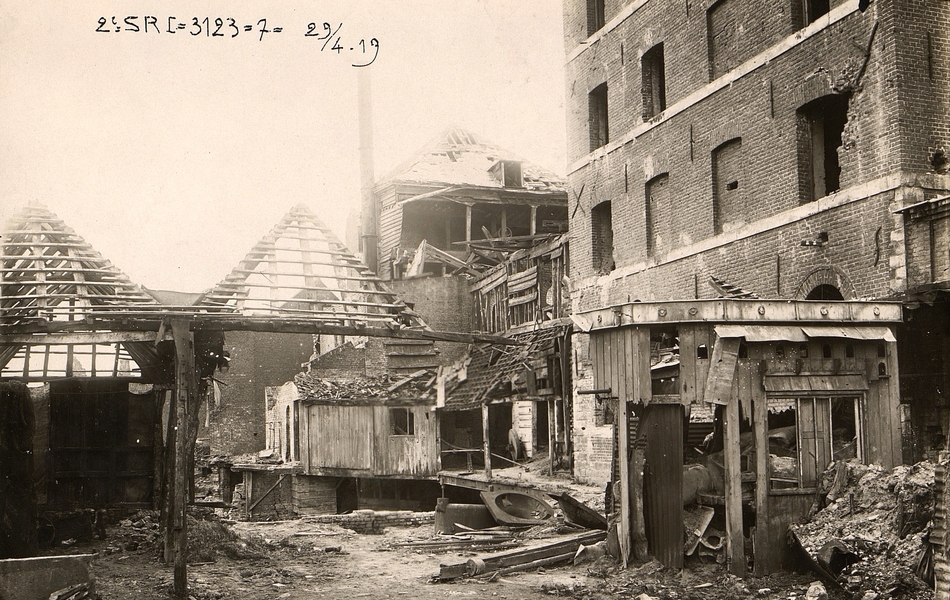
x,y
376,521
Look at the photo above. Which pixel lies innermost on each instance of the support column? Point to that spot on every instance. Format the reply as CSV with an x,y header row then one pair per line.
x,y
552,434
534,220
486,445
186,391
468,222
735,541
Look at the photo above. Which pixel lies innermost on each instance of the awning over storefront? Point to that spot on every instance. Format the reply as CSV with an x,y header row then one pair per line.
x,y
802,333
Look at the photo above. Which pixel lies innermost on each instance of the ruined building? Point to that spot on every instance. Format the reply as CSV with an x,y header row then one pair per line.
x,y
798,152
724,156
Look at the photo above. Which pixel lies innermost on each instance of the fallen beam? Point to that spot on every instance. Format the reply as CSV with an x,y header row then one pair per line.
x,y
495,562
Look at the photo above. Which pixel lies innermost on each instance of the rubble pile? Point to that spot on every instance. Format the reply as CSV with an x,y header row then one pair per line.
x,y
871,536
382,386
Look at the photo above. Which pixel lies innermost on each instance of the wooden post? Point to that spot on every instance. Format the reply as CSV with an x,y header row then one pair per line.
x,y
468,223
534,220
552,434
735,542
623,453
486,446
638,527
760,544
187,394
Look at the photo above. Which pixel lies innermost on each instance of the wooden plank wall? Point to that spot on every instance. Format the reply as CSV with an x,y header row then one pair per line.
x,y
619,363
882,409
341,437
415,455
693,370
390,232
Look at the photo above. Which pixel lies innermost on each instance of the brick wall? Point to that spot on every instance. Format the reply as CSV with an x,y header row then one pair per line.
x,y
445,304
891,62
593,443
258,360
376,521
885,133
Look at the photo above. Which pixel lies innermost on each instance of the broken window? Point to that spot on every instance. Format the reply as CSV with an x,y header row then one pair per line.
x,y
653,82
595,16
597,102
508,172
807,433
602,238
402,421
820,125
728,210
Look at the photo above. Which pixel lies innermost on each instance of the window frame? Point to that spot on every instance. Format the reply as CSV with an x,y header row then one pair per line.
x,y
858,400
410,430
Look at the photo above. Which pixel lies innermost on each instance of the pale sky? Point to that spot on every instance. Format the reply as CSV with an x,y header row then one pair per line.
x,y
173,154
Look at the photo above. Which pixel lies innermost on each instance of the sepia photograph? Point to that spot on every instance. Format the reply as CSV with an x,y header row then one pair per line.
x,y
643,299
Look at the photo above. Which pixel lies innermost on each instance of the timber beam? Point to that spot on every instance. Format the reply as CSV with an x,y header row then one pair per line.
x,y
11,334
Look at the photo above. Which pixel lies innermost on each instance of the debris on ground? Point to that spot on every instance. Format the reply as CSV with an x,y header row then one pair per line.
x,y
872,536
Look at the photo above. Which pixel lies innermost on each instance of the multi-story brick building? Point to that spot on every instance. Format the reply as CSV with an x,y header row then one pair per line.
x,y
772,147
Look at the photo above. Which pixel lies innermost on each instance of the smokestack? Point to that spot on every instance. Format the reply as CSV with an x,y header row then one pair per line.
x,y
368,209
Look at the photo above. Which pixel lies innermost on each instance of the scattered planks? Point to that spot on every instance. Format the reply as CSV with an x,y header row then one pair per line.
x,y
527,558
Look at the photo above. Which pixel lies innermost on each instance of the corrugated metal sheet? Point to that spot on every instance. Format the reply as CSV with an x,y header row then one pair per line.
x,y
815,383
663,482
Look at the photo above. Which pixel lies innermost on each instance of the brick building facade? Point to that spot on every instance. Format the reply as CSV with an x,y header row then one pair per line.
x,y
770,149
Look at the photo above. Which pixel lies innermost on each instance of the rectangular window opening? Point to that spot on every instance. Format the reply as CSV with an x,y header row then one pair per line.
x,y
653,82
821,124
729,211
602,238
599,130
402,421
806,434
596,16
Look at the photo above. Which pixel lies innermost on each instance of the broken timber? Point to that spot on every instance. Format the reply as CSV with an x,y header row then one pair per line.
x,y
506,560
18,334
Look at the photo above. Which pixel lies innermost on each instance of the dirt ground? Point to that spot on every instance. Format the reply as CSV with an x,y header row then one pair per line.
x,y
299,559
302,559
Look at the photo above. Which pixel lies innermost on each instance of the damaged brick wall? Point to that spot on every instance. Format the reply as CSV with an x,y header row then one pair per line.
x,y
832,61
886,67
258,360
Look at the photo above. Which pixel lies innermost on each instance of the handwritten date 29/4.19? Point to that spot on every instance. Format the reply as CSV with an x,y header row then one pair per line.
x,y
227,27
328,33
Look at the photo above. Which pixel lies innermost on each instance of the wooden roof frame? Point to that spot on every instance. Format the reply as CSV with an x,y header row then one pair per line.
x,y
55,288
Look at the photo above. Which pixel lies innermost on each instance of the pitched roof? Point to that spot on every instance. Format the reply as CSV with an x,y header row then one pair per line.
x,y
489,368
49,272
459,157
302,270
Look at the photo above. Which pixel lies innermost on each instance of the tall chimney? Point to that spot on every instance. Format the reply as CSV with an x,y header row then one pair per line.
x,y
368,209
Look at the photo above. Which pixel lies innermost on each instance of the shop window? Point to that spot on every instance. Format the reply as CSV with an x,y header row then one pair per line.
x,y
596,16
806,434
653,82
602,238
820,126
402,421
599,130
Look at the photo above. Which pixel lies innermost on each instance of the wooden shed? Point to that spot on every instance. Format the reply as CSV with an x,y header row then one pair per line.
x,y
794,384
